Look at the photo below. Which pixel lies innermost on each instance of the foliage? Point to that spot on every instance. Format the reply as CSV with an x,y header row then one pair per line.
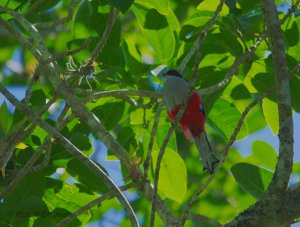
x,y
147,36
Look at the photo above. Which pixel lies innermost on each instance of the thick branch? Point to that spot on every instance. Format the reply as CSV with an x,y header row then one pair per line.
x,y
285,161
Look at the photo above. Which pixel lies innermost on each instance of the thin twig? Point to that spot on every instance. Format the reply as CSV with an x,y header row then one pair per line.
x,y
95,202
29,91
152,137
111,20
75,51
224,156
171,129
232,70
45,161
201,37
121,93
60,124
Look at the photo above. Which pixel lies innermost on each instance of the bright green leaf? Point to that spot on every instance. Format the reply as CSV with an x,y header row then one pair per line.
x,y
173,175
252,179
212,6
63,198
270,110
158,33
225,116
261,150
162,6
139,116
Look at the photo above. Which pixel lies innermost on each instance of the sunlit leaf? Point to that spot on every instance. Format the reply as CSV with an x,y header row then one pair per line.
x,y
162,6
21,146
225,116
270,109
173,175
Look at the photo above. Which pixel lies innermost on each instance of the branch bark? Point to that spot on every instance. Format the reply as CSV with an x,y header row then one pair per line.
x,y
271,210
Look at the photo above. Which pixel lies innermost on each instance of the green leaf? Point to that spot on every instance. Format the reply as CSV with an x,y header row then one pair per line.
x,y
162,6
252,179
248,6
86,21
122,5
110,113
126,137
173,175
30,190
132,58
158,33
200,18
85,176
212,6
263,81
291,32
37,99
63,199
295,87
82,142
5,120
261,150
140,116
154,20
270,110
225,116
163,43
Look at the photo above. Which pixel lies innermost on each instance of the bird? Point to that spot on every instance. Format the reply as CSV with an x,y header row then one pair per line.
x,y
192,122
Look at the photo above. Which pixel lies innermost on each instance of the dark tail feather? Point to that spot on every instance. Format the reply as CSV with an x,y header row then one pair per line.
x,y
207,157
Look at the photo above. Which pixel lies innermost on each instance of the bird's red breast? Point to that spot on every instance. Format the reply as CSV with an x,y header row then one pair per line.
x,y
193,119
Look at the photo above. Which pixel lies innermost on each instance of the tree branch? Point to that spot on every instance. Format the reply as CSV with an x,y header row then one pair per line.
x,y
74,151
121,94
285,161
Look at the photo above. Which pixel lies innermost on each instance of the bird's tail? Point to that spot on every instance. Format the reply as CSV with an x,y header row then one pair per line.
x,y
207,157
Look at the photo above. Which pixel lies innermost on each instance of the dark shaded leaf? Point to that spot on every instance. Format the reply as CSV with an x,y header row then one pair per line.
x,y
252,179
